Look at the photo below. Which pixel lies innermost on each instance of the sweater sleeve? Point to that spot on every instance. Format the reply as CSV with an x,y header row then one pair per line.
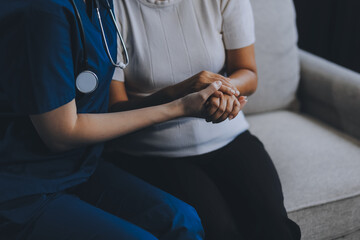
x,y
238,24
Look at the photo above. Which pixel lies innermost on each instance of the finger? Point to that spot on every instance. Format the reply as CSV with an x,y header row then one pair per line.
x,y
227,90
210,90
217,94
227,83
224,80
228,110
243,103
237,108
242,98
220,111
212,106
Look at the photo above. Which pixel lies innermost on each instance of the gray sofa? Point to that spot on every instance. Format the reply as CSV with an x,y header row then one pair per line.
x,y
307,113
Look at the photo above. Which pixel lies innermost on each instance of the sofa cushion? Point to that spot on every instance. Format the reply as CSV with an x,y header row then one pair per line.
x,y
276,55
320,172
351,236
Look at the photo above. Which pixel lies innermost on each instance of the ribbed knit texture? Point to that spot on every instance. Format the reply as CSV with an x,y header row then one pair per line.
x,y
168,42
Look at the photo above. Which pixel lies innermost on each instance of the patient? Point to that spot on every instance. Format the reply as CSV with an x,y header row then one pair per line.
x,y
181,46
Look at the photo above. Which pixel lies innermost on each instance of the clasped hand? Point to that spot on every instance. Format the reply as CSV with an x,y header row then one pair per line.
x,y
220,108
225,103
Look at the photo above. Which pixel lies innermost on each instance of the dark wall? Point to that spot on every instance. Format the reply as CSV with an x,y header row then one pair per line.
x,y
331,29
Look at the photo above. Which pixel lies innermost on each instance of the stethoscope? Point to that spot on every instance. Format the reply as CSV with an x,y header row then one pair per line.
x,y
87,81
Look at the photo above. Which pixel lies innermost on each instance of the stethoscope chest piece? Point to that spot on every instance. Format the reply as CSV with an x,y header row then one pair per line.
x,y
87,82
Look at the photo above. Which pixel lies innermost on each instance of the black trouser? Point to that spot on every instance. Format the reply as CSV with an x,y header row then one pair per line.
x,y
235,190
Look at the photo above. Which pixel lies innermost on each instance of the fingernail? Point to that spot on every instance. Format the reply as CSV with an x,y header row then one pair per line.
x,y
233,91
237,93
218,84
231,117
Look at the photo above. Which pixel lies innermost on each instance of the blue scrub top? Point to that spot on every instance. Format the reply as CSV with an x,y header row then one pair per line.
x,y
41,55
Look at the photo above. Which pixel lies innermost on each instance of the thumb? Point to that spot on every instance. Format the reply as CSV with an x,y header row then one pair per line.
x,y
211,89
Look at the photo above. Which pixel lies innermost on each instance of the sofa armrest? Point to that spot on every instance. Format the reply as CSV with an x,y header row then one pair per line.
x,y
330,92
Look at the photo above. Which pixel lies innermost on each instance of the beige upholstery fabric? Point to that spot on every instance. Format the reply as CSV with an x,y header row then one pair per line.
x,y
331,93
276,54
319,168
351,236
330,220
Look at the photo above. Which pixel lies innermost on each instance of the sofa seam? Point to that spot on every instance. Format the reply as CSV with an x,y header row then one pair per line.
x,y
324,203
347,233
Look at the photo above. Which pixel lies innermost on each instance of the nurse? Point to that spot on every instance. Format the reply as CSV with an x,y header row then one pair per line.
x,y
52,182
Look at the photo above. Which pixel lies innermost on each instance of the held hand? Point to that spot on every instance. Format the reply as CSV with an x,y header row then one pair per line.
x,y
201,81
220,108
193,105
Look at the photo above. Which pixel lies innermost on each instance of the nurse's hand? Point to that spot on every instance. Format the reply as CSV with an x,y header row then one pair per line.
x,y
219,109
199,82
193,105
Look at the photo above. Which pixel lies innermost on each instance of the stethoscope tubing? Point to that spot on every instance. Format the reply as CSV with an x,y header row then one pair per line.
x,y
82,34
119,64
87,80
126,55
93,76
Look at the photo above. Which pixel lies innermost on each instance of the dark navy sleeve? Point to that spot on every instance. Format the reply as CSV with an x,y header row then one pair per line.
x,y
43,77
